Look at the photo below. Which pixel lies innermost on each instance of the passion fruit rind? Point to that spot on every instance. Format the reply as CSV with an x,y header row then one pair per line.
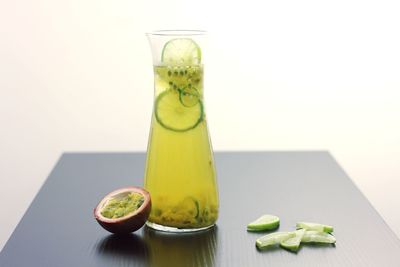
x,y
129,222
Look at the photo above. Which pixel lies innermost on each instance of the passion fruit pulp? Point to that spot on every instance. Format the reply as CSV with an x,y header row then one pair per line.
x,y
124,210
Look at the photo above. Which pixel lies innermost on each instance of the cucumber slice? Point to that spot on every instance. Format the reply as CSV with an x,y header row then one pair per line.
x,y
181,51
318,237
273,239
265,222
172,115
293,243
315,227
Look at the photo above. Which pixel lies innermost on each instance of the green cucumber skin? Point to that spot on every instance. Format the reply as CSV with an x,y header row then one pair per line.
x,y
318,237
279,237
291,248
258,225
314,227
259,228
294,248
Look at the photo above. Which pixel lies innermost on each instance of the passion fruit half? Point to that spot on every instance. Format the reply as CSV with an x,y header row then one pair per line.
x,y
124,210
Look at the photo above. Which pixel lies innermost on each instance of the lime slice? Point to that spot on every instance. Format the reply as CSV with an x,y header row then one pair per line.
x,y
265,222
181,51
315,226
190,207
189,96
273,239
174,116
293,243
318,237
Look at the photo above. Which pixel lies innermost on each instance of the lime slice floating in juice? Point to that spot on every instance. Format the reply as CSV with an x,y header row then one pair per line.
x,y
181,51
189,96
265,222
174,116
318,237
189,206
315,226
273,239
293,243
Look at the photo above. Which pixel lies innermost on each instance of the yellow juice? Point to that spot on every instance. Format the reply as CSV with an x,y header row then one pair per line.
x,y
180,171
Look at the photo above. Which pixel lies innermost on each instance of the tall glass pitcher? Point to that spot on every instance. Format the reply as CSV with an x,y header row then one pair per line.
x,y
180,171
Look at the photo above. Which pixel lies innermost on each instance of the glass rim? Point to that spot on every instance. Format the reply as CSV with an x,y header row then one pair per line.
x,y
176,33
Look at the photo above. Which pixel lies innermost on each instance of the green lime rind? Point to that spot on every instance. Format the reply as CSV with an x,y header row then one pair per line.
x,y
293,244
190,204
315,227
172,115
181,51
197,209
265,222
273,239
189,96
318,237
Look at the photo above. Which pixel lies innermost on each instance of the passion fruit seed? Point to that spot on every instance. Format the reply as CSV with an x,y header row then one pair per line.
x,y
188,213
117,208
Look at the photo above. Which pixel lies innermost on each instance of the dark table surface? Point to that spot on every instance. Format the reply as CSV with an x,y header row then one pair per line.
x,y
58,229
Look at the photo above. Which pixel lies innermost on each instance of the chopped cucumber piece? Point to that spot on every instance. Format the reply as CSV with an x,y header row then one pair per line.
x,y
315,227
265,222
293,243
318,237
273,239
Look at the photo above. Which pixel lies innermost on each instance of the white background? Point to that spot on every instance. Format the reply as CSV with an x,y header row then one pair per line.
x,y
281,75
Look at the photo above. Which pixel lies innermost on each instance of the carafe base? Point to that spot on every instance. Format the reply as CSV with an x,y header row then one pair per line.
x,y
170,229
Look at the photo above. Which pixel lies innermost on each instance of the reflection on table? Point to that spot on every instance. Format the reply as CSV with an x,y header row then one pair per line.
x,y
157,249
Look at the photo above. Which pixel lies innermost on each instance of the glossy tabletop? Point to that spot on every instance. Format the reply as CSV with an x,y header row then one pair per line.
x,y
59,229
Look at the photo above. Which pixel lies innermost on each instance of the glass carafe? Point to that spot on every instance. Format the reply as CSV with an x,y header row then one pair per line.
x,y
180,171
